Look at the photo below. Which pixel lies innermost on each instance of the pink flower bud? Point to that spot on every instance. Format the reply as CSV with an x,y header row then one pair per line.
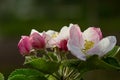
x,y
24,45
63,45
37,40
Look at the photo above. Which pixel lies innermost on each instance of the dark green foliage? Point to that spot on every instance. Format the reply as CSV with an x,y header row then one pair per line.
x,y
112,61
92,63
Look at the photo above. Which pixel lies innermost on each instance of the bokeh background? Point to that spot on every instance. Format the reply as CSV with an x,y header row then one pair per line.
x,y
18,17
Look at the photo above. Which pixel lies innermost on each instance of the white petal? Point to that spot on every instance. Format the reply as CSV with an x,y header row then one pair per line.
x,y
48,40
64,33
76,51
51,32
104,46
33,30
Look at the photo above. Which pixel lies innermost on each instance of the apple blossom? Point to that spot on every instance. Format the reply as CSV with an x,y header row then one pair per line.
x,y
62,38
89,42
58,39
49,37
37,40
24,45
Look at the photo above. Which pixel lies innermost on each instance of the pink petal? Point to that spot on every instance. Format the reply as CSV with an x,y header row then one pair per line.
x,y
76,42
37,40
93,34
24,45
76,38
98,32
62,45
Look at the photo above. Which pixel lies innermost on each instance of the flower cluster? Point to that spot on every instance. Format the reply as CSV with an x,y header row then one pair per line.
x,y
65,55
80,44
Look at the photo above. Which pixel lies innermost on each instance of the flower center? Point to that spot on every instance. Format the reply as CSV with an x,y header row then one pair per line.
x,y
88,45
55,35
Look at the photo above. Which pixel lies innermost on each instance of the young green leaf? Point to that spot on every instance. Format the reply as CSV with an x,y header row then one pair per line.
x,y
44,65
1,76
26,74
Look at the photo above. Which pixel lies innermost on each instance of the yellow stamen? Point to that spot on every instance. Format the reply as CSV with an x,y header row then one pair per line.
x,y
88,45
55,35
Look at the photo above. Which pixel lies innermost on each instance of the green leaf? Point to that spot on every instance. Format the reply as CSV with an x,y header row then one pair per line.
x,y
1,76
112,61
18,77
113,52
95,62
26,74
44,65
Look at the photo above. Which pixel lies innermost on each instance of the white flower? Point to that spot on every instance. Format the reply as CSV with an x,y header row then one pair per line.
x,y
57,39
89,42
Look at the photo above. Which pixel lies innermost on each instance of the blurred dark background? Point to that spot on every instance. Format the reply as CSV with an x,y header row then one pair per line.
x,y
18,17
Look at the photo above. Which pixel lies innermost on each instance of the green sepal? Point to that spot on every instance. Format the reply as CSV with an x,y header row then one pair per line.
x,y
51,55
113,52
71,62
51,78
